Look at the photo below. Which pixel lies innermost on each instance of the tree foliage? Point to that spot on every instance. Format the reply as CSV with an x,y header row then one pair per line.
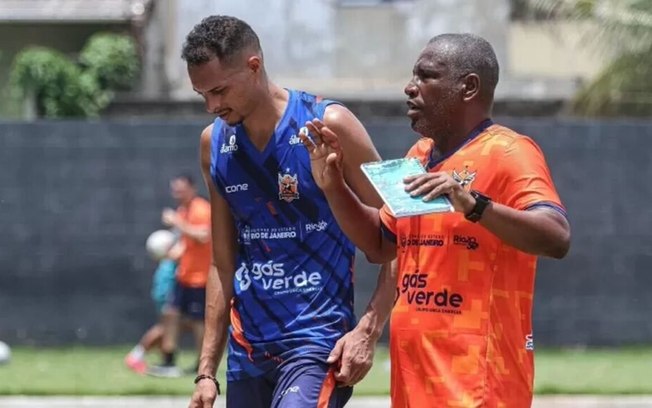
x,y
62,87
623,87
112,59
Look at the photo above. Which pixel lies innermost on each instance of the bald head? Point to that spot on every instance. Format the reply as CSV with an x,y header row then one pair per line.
x,y
468,54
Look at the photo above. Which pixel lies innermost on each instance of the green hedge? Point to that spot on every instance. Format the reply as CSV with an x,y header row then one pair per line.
x,y
62,87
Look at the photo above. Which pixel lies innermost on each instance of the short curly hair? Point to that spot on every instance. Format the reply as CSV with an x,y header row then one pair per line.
x,y
218,36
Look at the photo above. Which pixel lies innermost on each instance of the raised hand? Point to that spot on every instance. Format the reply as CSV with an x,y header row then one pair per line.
x,y
325,154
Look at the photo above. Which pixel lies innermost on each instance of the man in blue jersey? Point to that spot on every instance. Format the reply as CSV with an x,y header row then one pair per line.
x,y
281,289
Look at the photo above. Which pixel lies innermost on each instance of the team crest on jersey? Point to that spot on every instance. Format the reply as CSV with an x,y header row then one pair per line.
x,y
464,177
288,187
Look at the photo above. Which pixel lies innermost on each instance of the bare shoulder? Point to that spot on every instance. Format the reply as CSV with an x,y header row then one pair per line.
x,y
337,116
206,134
352,134
358,148
336,111
205,146
348,127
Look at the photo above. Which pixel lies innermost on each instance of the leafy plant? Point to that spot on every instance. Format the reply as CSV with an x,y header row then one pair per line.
x,y
624,29
112,59
58,86
61,87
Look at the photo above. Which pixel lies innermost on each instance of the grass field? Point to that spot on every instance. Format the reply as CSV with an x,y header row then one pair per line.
x,y
100,371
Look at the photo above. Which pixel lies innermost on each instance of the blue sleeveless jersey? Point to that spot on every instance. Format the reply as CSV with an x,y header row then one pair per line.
x,y
293,286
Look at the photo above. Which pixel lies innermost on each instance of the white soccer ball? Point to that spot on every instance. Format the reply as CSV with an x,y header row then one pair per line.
x,y
159,244
5,353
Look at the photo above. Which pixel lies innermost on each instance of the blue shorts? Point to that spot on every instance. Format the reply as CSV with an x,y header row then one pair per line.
x,y
297,383
189,301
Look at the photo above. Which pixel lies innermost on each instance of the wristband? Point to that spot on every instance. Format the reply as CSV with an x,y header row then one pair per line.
x,y
208,377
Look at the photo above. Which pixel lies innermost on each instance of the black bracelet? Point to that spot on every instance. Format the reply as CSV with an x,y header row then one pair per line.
x,y
209,377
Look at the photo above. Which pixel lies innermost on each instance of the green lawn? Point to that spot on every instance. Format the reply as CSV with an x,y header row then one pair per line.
x,y
99,371
594,371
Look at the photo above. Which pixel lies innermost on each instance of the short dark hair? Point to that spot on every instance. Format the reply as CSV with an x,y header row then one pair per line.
x,y
187,177
218,36
472,54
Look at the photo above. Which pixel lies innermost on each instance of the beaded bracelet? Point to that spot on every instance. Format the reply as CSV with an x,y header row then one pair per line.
x,y
209,377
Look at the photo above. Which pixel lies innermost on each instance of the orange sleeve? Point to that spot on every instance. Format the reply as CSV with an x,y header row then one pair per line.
x,y
526,178
388,223
200,214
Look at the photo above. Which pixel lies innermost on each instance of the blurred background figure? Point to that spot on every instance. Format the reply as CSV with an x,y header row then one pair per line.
x,y
192,220
162,246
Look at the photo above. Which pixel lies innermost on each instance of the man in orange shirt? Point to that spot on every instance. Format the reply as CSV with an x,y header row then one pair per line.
x,y
193,221
461,329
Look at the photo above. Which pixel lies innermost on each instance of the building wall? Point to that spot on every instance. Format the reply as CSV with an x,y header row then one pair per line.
x,y
559,50
328,47
362,52
366,52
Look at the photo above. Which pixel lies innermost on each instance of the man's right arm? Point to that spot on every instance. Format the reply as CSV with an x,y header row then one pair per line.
x,y
219,286
360,223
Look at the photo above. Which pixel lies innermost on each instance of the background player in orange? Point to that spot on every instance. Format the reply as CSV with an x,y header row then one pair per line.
x,y
461,331
192,219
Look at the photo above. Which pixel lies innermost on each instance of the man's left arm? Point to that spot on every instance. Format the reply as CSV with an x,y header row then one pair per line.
x,y
539,231
356,348
530,217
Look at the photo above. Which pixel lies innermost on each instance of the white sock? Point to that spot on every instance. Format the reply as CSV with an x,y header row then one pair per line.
x,y
138,352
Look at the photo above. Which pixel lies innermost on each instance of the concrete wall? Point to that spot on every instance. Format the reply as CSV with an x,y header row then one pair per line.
x,y
560,50
329,47
78,199
366,52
